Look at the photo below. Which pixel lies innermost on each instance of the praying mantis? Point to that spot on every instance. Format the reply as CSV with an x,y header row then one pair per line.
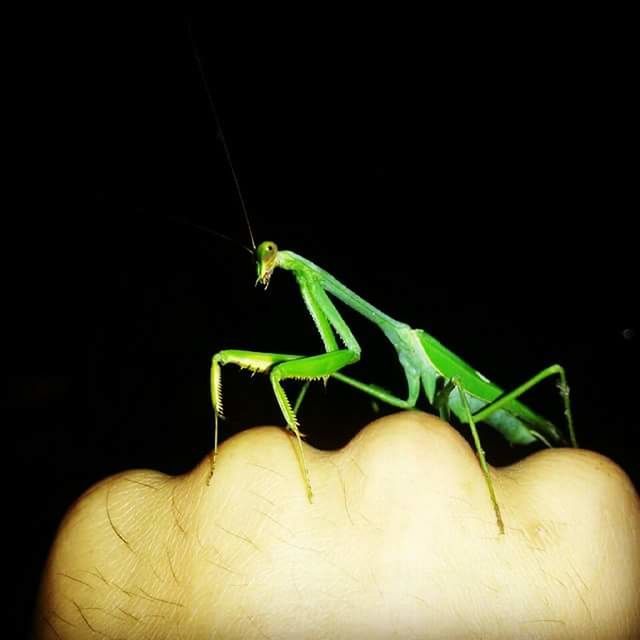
x,y
450,385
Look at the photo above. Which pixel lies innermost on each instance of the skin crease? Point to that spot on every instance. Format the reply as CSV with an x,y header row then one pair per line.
x,y
400,541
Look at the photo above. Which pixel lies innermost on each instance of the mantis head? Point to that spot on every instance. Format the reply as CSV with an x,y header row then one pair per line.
x,y
267,261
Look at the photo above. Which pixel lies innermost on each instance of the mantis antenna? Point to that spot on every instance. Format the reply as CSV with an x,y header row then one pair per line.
x,y
213,232
220,131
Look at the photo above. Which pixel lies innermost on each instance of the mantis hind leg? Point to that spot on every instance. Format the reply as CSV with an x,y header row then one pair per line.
x,y
504,400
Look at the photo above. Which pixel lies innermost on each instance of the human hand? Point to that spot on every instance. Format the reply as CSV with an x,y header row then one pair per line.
x,y
400,541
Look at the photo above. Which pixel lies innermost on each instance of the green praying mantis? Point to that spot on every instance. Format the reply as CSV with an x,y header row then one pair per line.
x,y
449,383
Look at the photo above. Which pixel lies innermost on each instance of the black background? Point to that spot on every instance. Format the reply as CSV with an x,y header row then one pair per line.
x,y
469,177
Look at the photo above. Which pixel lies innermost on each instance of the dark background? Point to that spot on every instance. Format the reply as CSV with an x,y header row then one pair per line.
x,y
471,180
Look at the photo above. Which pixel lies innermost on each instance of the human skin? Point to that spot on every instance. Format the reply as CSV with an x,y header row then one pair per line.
x,y
400,541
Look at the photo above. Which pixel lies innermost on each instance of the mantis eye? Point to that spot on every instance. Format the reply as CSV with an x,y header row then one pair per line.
x,y
267,248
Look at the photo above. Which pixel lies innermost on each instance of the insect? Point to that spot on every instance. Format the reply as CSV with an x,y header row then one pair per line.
x,y
449,384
